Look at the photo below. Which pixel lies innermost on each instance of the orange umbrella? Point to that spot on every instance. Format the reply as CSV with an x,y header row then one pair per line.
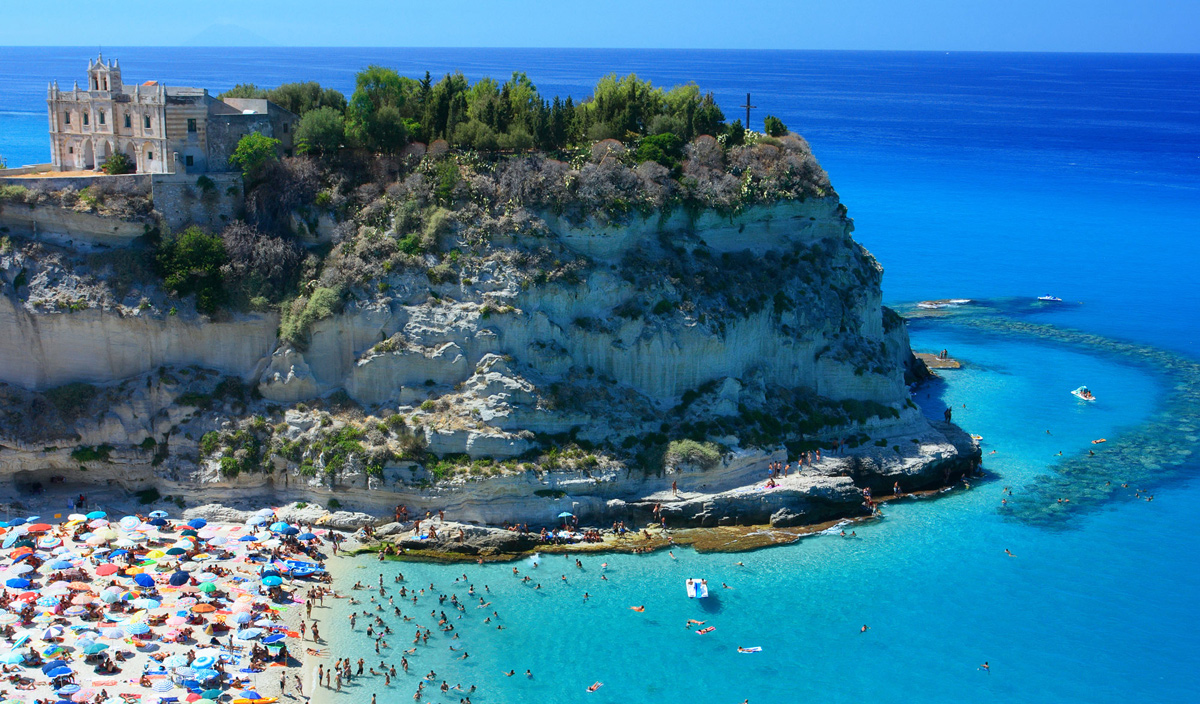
x,y
80,586
203,608
39,527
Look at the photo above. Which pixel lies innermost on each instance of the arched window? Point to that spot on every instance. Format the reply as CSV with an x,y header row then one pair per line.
x,y
128,122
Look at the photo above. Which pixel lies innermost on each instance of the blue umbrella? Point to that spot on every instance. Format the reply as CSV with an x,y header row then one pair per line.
x,y
206,675
17,522
197,523
248,633
53,665
212,694
306,536
61,565
158,522
179,579
118,553
272,581
68,689
290,530
565,514
59,672
143,579
137,629
251,694
96,514
158,514
17,583
247,539
273,638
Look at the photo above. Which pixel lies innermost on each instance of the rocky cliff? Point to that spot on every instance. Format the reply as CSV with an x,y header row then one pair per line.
x,y
567,359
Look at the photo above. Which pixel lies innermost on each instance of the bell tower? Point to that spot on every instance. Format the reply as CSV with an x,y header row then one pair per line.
x,y
104,77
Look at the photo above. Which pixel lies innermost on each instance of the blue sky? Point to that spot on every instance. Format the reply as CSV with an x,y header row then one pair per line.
x,y
956,25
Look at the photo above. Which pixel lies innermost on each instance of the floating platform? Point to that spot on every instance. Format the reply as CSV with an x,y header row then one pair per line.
x,y
697,588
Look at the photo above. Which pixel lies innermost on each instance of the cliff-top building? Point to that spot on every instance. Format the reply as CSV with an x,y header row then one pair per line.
x,y
162,129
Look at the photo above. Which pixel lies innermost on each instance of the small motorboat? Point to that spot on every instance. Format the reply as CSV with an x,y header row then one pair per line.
x,y
697,588
1083,393
1050,299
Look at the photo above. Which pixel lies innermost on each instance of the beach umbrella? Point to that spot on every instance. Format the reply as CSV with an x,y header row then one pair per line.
x,y
143,580
17,583
206,675
137,629
248,633
113,633
95,514
189,533
278,526
12,657
52,632
19,569
211,694
107,569
39,527
61,565
205,577
95,648
197,523
203,662
163,686
8,618
203,608
219,540
174,661
74,611
68,689
273,638
178,579
144,603
306,536
129,522
60,672
272,581
47,601
157,522
49,542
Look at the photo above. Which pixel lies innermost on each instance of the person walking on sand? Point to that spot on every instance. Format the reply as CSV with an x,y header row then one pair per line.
x,y
674,488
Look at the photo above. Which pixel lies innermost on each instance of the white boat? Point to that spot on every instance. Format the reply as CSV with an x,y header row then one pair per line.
x,y
1083,393
1050,299
697,588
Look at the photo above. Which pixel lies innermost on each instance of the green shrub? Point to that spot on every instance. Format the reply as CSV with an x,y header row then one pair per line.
x,y
333,504
253,152
148,496
190,262
117,164
705,455
148,444
301,313
209,443
91,454
71,400
774,127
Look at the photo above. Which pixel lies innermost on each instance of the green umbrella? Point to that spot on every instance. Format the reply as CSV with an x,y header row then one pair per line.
x,y
208,587
95,648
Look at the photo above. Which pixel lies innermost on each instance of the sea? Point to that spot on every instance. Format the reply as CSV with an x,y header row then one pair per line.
x,y
985,176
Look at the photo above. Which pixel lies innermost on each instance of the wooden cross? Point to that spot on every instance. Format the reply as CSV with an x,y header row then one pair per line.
x,y
747,106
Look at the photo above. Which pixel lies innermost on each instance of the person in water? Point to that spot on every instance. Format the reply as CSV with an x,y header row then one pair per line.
x,y
595,686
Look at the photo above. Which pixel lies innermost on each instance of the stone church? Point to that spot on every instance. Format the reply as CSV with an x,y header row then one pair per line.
x,y
162,129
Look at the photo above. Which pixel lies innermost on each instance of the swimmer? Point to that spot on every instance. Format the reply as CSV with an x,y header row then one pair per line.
x,y
638,609
864,629
985,667
726,586
1008,552
672,554
510,673
692,621
529,674
740,564
595,686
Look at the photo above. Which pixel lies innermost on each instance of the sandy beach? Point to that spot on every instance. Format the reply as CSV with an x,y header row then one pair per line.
x,y
105,606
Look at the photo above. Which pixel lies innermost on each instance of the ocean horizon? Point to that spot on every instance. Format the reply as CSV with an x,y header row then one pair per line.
x,y
991,176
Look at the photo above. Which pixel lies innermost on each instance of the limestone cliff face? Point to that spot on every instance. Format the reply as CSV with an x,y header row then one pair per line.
x,y
600,331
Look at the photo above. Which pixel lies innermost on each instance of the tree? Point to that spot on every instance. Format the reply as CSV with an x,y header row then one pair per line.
x,y
243,90
735,134
665,148
190,262
774,127
321,131
301,98
376,115
118,163
254,151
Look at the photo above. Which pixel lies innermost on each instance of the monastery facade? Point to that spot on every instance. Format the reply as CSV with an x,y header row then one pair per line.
x,y
162,129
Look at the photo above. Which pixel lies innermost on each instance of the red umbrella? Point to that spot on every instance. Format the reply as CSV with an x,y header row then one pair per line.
x,y
107,569
40,527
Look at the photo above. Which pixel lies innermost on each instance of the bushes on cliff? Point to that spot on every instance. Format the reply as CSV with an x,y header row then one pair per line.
x,y
303,311
191,262
253,152
259,265
705,455
321,131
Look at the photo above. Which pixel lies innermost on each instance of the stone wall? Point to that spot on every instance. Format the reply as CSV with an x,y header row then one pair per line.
x,y
66,227
184,201
57,183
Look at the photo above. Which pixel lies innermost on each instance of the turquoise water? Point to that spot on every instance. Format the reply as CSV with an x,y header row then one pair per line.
x,y
968,175
931,579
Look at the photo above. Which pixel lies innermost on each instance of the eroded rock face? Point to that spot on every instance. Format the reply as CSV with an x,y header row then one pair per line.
x,y
649,314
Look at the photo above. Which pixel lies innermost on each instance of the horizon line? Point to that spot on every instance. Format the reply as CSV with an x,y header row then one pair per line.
x,y
614,48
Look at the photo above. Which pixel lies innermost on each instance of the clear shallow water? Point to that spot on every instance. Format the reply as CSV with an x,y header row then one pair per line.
x,y
968,175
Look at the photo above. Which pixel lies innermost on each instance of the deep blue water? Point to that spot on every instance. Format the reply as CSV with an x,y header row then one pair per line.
x,y
968,175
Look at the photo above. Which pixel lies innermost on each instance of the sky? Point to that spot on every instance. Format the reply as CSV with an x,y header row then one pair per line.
x,y
946,25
